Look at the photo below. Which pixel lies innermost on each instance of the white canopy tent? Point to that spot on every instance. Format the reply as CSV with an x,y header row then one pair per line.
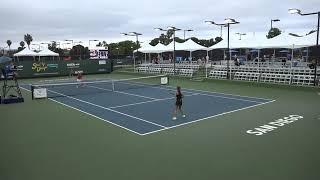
x,y
146,48
189,45
289,42
47,52
261,42
26,52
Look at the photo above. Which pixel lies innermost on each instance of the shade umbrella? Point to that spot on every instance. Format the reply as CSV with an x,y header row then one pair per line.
x,y
5,59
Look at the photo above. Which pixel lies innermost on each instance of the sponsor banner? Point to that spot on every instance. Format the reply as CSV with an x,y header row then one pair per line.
x,y
98,53
102,62
78,72
102,70
52,65
73,65
39,67
44,68
39,93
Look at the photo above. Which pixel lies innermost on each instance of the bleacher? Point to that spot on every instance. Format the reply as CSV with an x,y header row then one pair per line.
x,y
301,76
246,76
276,74
181,69
218,74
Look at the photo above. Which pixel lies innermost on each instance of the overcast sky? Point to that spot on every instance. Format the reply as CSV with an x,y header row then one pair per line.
x,y
48,20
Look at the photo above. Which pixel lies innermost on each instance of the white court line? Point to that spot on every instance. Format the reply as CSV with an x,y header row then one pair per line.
x,y
225,97
88,114
190,122
123,92
228,98
172,88
188,89
144,102
118,112
95,116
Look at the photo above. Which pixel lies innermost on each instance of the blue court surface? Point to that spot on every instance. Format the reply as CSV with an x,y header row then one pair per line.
x,y
148,109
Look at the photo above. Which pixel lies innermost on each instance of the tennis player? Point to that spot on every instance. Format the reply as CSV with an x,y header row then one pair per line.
x,y
80,79
178,104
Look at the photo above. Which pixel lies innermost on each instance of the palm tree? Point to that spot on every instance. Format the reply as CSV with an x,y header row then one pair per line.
x,y
28,38
22,44
9,42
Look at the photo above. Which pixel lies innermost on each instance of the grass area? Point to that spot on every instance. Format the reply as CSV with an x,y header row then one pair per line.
x,y
44,140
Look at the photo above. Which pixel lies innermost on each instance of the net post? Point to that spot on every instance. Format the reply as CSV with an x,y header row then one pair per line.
x,y
32,89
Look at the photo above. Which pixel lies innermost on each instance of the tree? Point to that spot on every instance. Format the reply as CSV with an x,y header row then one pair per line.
x,y
102,44
9,42
79,52
52,46
218,39
99,44
167,39
273,33
22,44
28,38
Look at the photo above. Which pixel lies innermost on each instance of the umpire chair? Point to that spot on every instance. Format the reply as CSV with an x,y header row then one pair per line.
x,y
10,85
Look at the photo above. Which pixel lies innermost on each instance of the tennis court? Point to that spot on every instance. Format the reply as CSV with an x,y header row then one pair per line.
x,y
142,105
233,130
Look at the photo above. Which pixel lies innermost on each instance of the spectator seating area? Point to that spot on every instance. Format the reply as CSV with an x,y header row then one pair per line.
x,y
181,69
277,64
302,76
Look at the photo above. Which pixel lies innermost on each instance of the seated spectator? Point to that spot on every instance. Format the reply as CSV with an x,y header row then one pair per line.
x,y
199,61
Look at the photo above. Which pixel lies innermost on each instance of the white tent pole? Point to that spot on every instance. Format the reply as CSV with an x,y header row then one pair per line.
x,y
274,55
307,54
292,55
207,59
224,56
145,58
230,54
190,57
258,60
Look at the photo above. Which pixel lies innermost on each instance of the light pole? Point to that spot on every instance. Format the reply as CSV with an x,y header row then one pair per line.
x,y
298,11
137,43
184,33
174,29
213,23
274,20
240,35
227,23
117,53
92,40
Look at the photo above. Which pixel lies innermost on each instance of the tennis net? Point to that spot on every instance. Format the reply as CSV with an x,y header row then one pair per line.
x,y
93,87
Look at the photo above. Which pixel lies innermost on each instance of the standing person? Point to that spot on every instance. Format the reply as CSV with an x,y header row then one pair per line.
x,y
178,105
79,79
